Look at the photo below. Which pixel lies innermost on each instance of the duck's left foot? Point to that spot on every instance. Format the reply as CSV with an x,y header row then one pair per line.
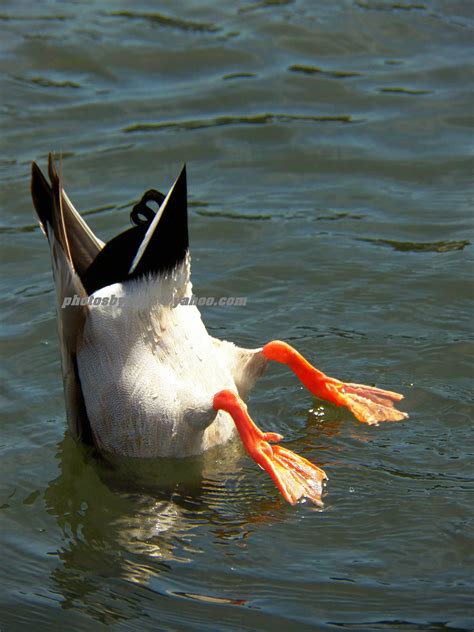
x,y
367,403
295,476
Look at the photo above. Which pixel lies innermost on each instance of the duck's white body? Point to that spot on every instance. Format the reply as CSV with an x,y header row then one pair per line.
x,y
149,369
139,374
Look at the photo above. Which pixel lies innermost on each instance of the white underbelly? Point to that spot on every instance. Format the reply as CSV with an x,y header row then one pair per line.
x,y
151,395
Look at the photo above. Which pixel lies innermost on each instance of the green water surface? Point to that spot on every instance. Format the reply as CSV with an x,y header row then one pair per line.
x,y
328,148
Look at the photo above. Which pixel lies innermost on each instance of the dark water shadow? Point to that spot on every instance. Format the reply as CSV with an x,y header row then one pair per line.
x,y
407,91
376,5
410,246
256,119
264,4
168,21
316,70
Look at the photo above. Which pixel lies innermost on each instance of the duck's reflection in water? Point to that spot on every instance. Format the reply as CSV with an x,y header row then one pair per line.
x,y
139,520
133,520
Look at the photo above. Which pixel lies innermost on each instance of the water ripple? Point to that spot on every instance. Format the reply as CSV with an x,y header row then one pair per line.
x,y
256,119
31,18
264,4
408,91
409,246
314,70
394,6
44,82
166,20
239,75
226,215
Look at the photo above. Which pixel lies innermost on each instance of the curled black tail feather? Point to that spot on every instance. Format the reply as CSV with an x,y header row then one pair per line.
x,y
167,246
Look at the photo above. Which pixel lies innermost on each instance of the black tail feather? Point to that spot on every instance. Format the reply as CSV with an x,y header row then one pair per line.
x,y
166,245
42,195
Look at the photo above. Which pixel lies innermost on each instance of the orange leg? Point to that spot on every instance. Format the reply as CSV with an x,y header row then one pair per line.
x,y
294,476
367,403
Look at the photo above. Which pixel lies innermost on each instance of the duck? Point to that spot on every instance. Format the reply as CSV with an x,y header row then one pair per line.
x,y
142,376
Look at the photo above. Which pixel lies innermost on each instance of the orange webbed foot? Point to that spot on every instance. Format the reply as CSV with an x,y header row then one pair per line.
x,y
368,404
295,476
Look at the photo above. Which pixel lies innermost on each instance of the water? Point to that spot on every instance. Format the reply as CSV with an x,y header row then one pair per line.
x,y
330,183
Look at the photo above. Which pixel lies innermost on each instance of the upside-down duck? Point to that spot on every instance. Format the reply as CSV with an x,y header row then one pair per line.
x,y
142,376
